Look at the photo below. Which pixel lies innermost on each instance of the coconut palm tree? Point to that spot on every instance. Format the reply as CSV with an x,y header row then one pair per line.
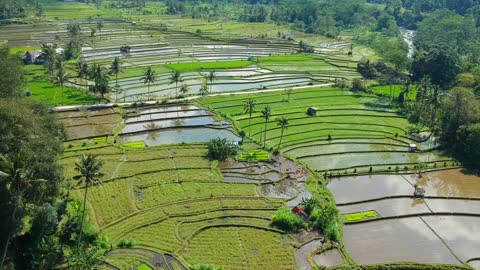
x,y
82,70
266,113
100,76
115,69
148,78
283,124
184,90
89,168
175,77
49,54
60,78
204,88
249,107
211,78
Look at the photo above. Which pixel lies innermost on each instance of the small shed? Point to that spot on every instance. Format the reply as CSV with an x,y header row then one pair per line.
x,y
419,193
412,147
311,111
298,210
31,57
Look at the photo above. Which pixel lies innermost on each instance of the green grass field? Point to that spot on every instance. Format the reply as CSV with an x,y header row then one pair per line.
x,y
350,130
43,90
198,66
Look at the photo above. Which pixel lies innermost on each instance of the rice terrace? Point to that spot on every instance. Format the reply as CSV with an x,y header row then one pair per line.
x,y
208,135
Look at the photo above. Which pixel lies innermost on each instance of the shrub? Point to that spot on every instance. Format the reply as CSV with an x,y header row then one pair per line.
x,y
221,149
309,205
327,220
329,137
125,243
370,170
286,220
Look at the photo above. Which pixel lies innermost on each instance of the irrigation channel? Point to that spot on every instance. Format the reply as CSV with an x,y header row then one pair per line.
x,y
443,227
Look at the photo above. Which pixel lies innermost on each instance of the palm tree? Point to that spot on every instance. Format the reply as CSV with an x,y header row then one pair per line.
x,y
184,90
60,78
266,113
82,70
211,77
89,168
100,76
204,88
249,108
283,124
175,77
148,78
49,54
241,133
100,25
115,68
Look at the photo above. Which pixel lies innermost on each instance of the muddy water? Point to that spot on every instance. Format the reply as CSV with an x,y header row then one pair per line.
x,y
303,251
89,123
454,183
280,190
80,132
360,188
303,193
454,206
462,234
166,115
398,240
389,207
328,258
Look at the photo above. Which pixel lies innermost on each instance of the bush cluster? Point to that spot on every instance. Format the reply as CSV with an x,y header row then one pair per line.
x,y
286,220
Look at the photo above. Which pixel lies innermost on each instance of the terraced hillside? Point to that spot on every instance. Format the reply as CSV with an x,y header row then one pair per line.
x,y
351,132
172,201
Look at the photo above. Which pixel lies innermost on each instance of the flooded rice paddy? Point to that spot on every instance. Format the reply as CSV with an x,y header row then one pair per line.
x,y
303,252
329,258
449,183
442,228
398,240
389,207
368,187
461,234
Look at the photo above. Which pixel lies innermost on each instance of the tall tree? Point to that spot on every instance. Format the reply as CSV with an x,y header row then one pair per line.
x,y
82,71
266,113
283,124
60,78
249,107
115,69
148,78
50,56
89,168
12,77
211,78
100,76
175,77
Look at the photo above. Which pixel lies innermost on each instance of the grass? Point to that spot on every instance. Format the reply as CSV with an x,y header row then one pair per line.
x,y
254,155
135,145
43,90
355,217
384,90
199,66
350,128
144,267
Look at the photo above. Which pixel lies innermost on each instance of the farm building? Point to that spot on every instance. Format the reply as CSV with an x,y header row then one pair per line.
x,y
298,210
31,57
